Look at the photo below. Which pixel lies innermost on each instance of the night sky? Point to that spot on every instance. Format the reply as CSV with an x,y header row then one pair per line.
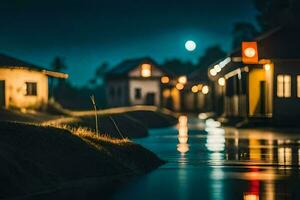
x,y
89,32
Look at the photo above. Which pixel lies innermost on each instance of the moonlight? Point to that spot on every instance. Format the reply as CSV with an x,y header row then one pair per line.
x,y
190,45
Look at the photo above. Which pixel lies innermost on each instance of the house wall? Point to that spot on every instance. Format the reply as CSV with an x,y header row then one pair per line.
x,y
286,110
146,86
15,88
117,93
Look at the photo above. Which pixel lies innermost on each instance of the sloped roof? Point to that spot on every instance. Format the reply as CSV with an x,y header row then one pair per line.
x,y
124,67
11,62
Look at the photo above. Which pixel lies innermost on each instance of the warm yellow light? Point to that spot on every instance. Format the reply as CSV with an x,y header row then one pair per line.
x,y
205,89
182,79
221,81
146,70
217,68
251,197
179,86
195,89
166,93
165,79
267,67
213,72
200,87
250,52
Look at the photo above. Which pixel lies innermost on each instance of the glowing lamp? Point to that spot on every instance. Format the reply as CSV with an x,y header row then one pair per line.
x,y
146,70
179,86
165,79
213,72
195,89
267,67
182,79
205,89
221,81
217,68
249,52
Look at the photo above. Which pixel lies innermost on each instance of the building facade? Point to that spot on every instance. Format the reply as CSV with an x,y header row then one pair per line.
x,y
135,82
268,89
23,85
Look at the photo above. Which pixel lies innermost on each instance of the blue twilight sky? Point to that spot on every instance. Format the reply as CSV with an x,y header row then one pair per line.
x,y
89,32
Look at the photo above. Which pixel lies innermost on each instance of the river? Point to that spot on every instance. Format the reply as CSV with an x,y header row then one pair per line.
x,y
207,161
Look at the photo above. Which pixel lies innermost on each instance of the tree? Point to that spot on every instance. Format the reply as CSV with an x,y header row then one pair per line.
x,y
211,55
243,31
273,13
178,66
99,75
59,66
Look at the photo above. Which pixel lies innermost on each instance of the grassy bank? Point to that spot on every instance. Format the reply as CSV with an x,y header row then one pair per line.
x,y
127,122
36,158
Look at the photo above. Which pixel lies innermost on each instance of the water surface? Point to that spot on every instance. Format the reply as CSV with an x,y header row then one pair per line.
x,y
206,161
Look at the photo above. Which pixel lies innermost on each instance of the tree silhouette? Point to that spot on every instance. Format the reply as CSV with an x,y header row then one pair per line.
x,y
99,74
211,55
273,13
243,31
57,65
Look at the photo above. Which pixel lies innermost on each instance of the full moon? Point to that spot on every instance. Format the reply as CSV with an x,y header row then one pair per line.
x,y
190,45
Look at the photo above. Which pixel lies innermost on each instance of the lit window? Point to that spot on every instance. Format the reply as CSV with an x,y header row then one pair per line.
x,y
138,93
298,86
31,89
284,85
146,70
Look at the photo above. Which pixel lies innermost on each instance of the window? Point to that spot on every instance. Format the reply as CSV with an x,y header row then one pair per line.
x,y
284,85
138,93
146,70
31,89
298,86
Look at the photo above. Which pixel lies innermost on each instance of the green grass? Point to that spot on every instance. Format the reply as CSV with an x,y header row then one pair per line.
x,y
35,158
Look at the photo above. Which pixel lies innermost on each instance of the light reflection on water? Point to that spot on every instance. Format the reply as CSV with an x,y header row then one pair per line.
x,y
207,161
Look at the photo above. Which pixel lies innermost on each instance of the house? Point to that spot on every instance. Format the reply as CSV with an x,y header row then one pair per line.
x,y
196,94
268,89
24,85
136,82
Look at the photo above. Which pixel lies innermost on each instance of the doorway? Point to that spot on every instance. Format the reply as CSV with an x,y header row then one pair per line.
x,y
262,95
2,93
150,99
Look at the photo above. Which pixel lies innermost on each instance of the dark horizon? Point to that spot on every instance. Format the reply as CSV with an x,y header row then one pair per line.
x,y
87,34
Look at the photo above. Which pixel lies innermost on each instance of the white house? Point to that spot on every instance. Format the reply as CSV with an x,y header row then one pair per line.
x,y
135,82
23,85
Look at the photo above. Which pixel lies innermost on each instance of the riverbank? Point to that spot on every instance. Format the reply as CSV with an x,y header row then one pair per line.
x,y
125,122
36,158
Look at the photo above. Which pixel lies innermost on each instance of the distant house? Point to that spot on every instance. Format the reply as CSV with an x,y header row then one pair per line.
x,y
269,89
136,82
24,85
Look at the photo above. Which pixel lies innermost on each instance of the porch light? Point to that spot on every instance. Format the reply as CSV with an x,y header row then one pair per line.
x,y
250,52
267,67
195,89
213,72
179,86
182,79
221,81
165,79
146,70
205,89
